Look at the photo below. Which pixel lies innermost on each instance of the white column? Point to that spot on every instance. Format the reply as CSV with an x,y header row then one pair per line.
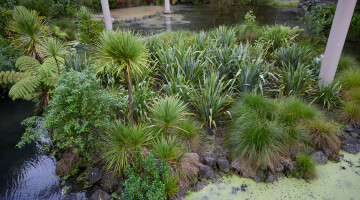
x,y
167,7
106,14
336,40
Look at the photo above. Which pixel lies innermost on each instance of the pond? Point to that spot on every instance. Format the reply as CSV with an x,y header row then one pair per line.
x,y
28,173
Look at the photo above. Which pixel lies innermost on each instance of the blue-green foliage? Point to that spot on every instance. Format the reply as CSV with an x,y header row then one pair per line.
x,y
7,55
145,180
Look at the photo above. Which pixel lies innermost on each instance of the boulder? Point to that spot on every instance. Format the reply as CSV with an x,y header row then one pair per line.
x,y
270,177
206,173
100,195
354,134
319,157
345,136
223,164
210,161
109,182
351,148
119,189
200,185
95,175
221,174
335,157
280,168
181,193
351,141
259,177
326,151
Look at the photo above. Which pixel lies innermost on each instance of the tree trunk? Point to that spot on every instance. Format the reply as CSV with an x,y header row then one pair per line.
x,y
127,77
57,64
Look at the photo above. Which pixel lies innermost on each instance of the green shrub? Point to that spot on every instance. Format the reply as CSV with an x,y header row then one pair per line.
x,y
7,55
121,142
323,134
248,31
43,7
90,30
306,165
5,18
142,96
146,181
354,29
328,95
224,36
78,112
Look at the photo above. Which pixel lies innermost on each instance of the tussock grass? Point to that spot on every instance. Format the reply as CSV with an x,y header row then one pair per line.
x,y
306,165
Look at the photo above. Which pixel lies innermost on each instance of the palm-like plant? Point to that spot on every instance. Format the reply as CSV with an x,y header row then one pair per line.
x,y
167,112
122,141
27,30
125,52
54,48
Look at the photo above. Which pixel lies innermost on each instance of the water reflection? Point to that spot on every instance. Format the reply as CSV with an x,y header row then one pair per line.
x,y
167,23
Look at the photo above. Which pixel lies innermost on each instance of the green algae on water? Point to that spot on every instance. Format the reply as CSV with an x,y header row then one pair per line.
x,y
335,181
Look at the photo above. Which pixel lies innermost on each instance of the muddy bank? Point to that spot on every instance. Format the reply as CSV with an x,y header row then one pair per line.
x,y
335,181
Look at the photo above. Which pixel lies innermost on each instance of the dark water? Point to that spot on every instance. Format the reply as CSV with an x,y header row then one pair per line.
x,y
28,173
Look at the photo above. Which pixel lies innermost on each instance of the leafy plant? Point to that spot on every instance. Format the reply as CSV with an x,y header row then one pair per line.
x,y
53,48
27,29
224,35
143,95
84,14
294,54
43,7
328,95
78,112
167,113
5,18
124,52
121,142
306,165
296,80
7,55
77,62
210,100
146,181
90,31
279,35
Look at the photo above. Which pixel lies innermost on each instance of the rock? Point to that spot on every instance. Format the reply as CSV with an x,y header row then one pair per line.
x,y
350,129
210,161
223,164
259,177
63,166
319,157
206,173
181,193
95,175
200,185
326,151
119,189
109,182
280,168
351,141
134,19
221,174
310,150
278,175
345,136
128,20
159,12
354,134
100,195
351,148
270,177
335,158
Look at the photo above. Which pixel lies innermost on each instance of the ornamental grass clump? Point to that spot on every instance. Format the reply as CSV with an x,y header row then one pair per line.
x,y
167,149
190,130
350,112
350,78
323,134
121,142
254,142
347,62
306,165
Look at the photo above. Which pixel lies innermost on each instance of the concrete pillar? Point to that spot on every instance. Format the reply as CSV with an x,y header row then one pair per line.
x,y
106,14
336,40
167,7
167,23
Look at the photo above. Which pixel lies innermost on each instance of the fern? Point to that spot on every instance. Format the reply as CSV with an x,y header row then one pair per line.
x,y
25,89
27,64
11,77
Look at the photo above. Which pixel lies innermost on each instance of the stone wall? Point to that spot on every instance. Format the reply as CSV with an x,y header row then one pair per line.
x,y
311,3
